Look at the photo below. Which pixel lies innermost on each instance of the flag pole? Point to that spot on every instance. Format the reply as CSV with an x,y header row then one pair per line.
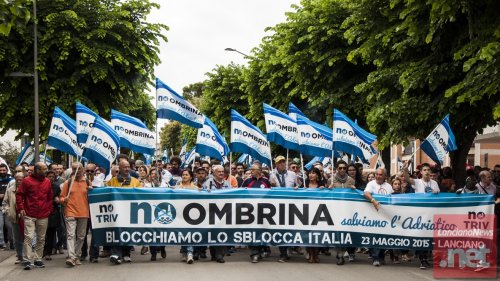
x,y
72,181
331,169
287,158
303,172
45,153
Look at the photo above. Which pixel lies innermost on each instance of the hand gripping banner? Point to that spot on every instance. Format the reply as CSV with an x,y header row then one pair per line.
x,y
310,217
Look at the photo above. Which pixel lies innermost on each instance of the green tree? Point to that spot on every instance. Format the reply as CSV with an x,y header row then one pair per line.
x,y
170,137
431,58
223,91
12,13
305,62
101,53
9,153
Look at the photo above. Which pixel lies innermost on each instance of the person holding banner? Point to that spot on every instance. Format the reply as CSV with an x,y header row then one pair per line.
x,y
281,177
257,180
187,183
341,179
377,186
123,179
216,182
34,204
74,198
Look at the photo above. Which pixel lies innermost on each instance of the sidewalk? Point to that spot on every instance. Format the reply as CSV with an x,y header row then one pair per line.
x,y
5,254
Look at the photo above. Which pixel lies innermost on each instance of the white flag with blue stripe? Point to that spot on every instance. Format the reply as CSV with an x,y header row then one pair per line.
x,y
171,105
281,128
293,111
134,134
247,138
210,142
440,141
190,157
350,138
84,121
103,144
27,154
62,133
314,139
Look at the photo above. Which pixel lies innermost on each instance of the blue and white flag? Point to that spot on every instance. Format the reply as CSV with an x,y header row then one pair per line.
x,y
210,142
293,111
314,139
27,154
350,138
399,163
182,153
243,158
45,159
316,159
84,121
133,133
171,105
380,162
190,157
165,158
247,138
281,128
148,159
62,133
103,144
440,141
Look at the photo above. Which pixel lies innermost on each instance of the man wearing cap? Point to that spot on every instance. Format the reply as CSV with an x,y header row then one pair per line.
x,y
281,177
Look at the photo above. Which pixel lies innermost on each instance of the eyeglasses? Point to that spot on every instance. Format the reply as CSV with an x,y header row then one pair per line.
x,y
293,167
341,168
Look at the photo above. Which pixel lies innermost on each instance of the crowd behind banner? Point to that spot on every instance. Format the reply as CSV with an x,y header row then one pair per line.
x,y
47,206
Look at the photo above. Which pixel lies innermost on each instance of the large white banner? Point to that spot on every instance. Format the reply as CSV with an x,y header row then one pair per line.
x,y
338,217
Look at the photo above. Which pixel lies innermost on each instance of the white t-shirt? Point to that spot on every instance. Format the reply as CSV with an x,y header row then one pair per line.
x,y
421,186
382,189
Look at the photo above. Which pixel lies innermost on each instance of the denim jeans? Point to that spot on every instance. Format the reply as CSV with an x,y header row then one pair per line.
x,y
18,241
187,249
377,254
2,242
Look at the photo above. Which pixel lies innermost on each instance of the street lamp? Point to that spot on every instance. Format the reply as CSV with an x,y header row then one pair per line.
x,y
234,50
35,77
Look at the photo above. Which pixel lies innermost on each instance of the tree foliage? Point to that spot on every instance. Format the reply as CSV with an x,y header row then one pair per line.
x,y
397,66
12,13
170,136
222,92
9,153
101,53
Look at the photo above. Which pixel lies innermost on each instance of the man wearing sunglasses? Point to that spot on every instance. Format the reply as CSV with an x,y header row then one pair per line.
x,y
341,179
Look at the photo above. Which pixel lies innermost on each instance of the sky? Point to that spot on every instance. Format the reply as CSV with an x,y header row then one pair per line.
x,y
199,31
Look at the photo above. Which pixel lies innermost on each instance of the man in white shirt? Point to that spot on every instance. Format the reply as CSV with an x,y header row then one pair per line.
x,y
425,184
381,187
280,176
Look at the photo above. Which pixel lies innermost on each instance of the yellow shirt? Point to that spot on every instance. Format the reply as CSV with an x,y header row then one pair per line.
x,y
115,183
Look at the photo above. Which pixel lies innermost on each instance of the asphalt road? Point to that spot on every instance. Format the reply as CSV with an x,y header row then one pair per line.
x,y
236,268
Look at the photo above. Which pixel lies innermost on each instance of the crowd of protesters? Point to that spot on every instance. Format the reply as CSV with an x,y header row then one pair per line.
x,y
45,208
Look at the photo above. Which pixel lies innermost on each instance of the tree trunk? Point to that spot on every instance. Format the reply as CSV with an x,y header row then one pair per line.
x,y
386,157
458,159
